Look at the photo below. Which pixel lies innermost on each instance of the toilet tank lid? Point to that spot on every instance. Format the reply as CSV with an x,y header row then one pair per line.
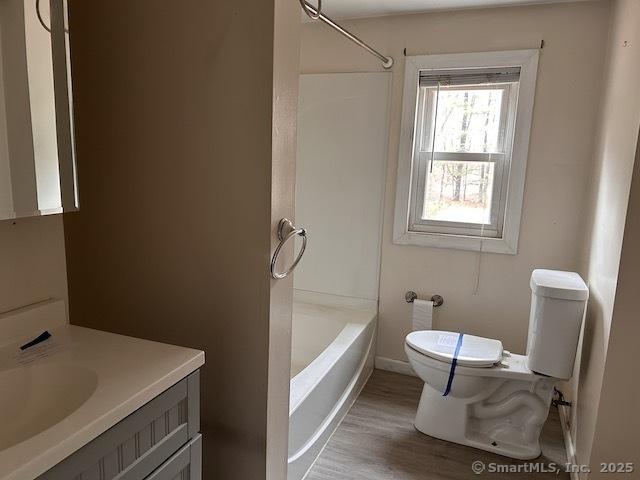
x,y
558,284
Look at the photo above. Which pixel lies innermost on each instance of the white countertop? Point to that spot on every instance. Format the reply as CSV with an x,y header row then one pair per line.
x,y
125,372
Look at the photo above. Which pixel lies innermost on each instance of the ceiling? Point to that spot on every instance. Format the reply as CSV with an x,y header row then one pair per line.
x,y
375,8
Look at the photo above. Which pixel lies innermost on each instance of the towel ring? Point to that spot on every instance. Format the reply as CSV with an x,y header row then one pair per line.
x,y
287,231
309,12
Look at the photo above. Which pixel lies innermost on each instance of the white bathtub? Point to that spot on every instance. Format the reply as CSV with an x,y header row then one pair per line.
x,y
331,359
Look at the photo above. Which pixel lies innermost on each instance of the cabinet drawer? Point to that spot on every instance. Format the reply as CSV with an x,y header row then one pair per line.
x,y
139,444
186,464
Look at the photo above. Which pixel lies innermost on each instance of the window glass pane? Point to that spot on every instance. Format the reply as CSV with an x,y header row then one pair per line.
x,y
459,192
466,120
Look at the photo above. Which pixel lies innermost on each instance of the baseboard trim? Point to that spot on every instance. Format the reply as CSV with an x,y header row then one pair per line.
x,y
569,445
396,366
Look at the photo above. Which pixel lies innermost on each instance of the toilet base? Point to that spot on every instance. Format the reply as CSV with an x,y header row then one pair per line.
x,y
507,421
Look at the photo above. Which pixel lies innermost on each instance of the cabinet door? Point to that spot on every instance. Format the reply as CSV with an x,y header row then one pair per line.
x,y
186,464
139,444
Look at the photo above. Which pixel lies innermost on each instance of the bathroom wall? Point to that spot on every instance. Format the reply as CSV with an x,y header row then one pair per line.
x,y
340,171
489,294
32,261
185,130
617,432
284,120
611,173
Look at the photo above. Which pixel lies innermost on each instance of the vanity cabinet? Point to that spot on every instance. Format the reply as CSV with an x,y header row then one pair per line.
x,y
159,441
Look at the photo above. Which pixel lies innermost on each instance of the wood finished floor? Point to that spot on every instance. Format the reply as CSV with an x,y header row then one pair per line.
x,y
377,441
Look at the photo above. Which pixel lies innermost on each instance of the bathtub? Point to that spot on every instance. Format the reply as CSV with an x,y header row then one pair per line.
x,y
331,360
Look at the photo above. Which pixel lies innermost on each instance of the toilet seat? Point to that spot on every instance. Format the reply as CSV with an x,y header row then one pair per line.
x,y
441,345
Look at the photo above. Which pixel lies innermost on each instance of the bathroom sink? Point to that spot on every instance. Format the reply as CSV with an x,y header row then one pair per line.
x,y
35,398
59,397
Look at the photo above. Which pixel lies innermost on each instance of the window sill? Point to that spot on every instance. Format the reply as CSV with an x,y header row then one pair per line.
x,y
458,242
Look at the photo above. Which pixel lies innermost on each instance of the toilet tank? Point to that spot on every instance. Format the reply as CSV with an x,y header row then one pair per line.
x,y
558,303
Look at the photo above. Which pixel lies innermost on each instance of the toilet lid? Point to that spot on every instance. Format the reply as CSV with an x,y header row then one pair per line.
x,y
474,351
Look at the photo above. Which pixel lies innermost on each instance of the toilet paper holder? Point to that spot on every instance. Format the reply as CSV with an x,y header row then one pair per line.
x,y
410,297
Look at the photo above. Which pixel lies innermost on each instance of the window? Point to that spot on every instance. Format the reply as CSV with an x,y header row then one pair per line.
x,y
466,125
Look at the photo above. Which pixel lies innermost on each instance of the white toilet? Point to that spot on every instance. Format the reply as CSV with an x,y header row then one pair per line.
x,y
478,394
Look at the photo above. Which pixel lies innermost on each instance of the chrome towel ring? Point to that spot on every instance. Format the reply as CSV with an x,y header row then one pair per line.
x,y
287,231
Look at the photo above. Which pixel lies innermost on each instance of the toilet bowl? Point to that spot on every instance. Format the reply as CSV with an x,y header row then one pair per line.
x,y
500,408
480,395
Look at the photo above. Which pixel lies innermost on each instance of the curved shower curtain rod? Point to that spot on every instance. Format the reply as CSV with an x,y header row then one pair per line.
x,y
315,13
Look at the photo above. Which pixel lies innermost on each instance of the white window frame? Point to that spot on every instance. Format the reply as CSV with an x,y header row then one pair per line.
x,y
423,159
500,237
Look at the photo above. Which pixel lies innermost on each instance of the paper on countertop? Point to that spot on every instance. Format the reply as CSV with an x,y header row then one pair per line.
x,y
11,356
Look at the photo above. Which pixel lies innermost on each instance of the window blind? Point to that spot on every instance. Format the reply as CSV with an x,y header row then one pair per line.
x,y
473,76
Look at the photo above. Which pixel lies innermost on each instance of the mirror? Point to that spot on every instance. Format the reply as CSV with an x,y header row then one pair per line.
x,y
37,158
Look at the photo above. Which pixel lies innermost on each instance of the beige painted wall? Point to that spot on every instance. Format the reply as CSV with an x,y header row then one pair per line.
x,y
178,142
558,172
32,261
286,61
617,135
617,432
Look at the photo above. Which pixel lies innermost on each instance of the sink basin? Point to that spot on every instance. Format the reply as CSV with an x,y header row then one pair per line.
x,y
33,399
82,384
